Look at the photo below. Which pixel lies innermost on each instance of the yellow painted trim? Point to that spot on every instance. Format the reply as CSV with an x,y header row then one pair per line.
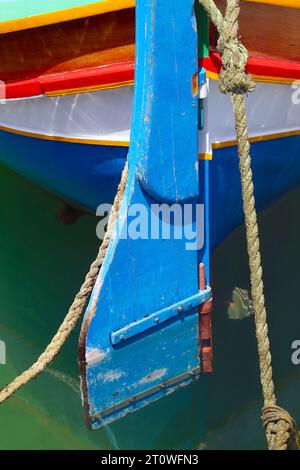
x,y
274,80
75,13
281,3
123,143
261,79
205,156
74,140
212,75
88,89
259,138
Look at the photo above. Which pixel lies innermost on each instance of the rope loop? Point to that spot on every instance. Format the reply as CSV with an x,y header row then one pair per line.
x,y
281,429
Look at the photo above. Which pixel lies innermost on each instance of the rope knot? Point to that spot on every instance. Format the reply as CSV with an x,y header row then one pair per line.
x,y
281,429
233,78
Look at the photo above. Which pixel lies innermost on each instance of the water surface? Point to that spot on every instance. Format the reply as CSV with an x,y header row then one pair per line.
x,y
42,265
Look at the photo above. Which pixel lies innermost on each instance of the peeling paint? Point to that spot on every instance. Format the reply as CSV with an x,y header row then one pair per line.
x,y
95,356
164,170
112,375
155,375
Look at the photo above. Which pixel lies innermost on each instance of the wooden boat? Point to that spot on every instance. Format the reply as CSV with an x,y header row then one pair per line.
x,y
66,122
68,72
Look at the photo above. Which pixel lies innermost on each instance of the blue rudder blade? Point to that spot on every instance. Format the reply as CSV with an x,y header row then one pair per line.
x,y
140,335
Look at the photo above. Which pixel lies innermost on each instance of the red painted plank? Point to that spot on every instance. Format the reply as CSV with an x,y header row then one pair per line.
x,y
257,66
110,75
23,89
96,77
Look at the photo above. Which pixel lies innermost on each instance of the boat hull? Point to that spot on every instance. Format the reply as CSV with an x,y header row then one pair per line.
x,y
75,147
276,170
81,174
87,175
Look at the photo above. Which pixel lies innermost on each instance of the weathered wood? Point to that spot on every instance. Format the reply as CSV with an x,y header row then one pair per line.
x,y
145,277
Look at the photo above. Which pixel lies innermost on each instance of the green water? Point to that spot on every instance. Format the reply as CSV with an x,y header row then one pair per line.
x,y
42,263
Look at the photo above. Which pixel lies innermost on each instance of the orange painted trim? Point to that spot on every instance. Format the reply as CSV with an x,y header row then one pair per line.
x,y
105,86
280,3
212,75
75,13
261,79
205,156
274,80
259,138
73,140
123,143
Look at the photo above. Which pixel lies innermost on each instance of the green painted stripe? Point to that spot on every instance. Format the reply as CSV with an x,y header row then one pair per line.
x,y
16,9
203,31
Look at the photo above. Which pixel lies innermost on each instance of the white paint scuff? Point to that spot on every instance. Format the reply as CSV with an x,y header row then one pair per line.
x,y
155,375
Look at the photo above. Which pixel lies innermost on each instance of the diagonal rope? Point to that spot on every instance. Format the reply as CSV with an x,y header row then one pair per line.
x,y
76,308
280,428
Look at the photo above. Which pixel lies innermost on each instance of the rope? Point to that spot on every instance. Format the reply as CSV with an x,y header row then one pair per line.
x,y
281,432
76,308
280,428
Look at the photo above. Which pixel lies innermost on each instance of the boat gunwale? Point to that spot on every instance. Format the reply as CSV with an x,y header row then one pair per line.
x,y
120,75
68,14
96,8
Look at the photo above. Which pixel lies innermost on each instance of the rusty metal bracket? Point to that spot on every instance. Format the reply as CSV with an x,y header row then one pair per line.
x,y
179,309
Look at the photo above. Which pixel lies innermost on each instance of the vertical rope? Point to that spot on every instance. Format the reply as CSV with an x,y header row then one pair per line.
x,y
280,428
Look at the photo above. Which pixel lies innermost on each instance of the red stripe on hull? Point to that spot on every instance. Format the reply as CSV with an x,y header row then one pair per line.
x,y
109,75
23,89
105,75
257,66
100,76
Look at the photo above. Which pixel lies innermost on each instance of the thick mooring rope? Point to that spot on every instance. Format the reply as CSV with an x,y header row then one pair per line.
x,y
76,308
280,428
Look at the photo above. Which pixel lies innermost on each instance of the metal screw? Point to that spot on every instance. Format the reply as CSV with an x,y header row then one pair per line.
x,y
157,320
180,309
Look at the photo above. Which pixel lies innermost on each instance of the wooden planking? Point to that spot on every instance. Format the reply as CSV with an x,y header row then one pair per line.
x,y
109,39
90,42
269,31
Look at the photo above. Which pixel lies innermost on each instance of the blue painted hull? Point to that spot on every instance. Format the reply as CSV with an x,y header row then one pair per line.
x,y
276,170
81,174
88,175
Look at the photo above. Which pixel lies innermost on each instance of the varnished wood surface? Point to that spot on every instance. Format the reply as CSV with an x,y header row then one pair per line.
x,y
266,30
269,31
91,42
